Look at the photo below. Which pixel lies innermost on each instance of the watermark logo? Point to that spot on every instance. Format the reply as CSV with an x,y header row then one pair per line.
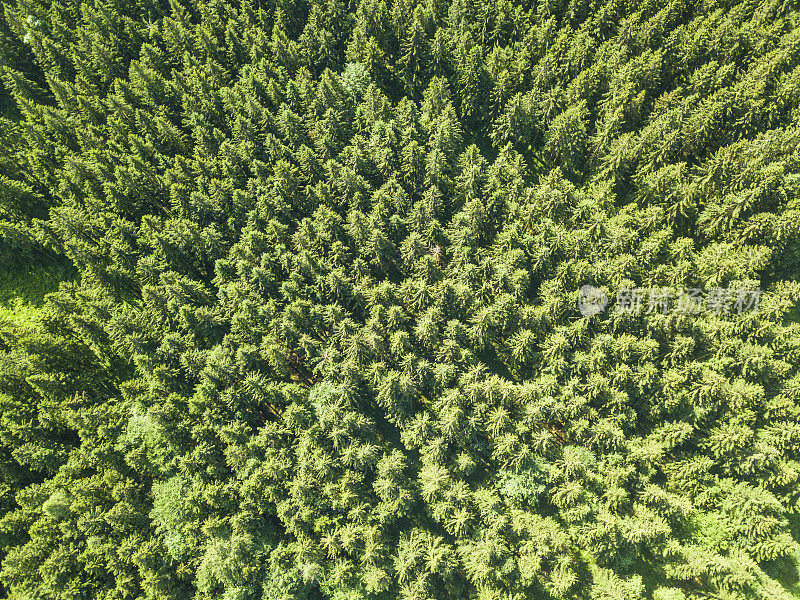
x,y
591,300
689,301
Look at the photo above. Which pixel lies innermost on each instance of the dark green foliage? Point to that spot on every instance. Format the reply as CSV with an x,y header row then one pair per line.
x,y
323,341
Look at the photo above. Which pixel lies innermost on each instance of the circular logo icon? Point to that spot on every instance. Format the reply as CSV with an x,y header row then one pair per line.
x,y
591,300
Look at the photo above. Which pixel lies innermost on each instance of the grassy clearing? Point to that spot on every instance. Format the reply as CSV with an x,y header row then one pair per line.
x,y
22,291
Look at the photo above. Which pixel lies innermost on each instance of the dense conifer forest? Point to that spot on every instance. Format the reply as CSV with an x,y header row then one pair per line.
x,y
291,302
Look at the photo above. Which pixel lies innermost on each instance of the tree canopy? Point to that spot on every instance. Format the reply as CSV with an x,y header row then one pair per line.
x,y
318,337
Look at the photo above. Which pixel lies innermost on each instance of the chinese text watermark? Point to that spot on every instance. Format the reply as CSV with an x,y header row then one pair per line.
x,y
665,300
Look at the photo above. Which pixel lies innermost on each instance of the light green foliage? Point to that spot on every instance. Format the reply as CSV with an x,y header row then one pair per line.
x,y
319,335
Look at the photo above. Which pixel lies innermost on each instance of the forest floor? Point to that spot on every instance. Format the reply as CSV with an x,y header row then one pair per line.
x,y
22,290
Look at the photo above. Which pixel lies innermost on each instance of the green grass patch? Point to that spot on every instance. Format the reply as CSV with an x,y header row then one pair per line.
x,y
22,291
